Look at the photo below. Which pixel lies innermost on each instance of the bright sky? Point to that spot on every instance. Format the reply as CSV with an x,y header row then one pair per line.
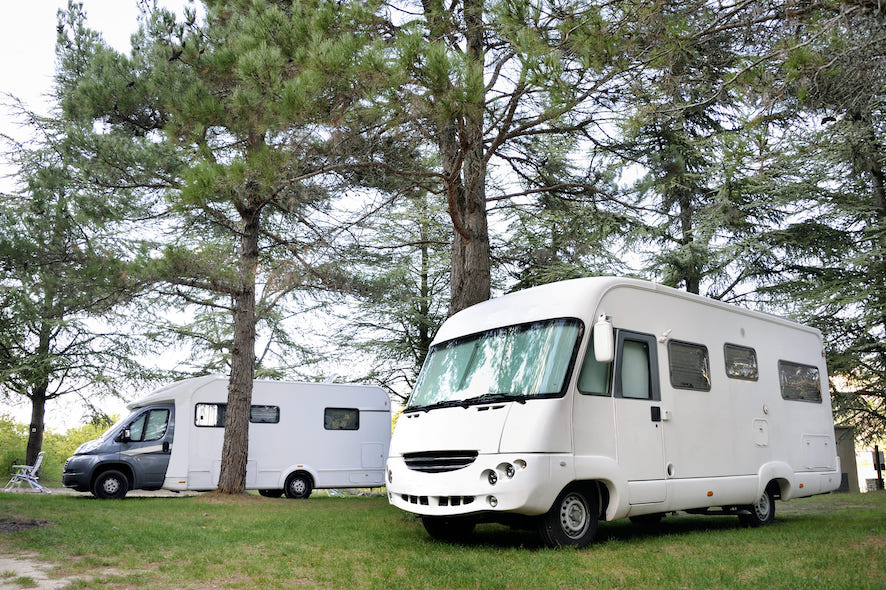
x,y
27,44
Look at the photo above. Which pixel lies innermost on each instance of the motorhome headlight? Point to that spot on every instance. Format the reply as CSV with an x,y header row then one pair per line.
x,y
510,471
491,477
390,476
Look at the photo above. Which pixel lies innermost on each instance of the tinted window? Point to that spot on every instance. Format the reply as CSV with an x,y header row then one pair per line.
x,y
213,415
689,366
799,382
741,362
264,414
341,419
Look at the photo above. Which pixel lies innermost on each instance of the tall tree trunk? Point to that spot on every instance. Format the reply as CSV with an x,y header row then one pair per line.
x,y
691,270
38,412
460,140
235,450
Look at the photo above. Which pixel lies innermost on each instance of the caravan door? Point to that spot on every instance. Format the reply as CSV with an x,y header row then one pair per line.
x,y
638,428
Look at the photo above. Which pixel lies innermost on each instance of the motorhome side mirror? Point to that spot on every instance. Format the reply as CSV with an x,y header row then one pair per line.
x,y
604,340
125,436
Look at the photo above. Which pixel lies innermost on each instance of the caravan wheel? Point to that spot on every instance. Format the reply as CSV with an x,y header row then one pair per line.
x,y
760,513
298,485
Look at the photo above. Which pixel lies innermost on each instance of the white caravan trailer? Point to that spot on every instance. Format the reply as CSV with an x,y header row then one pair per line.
x,y
605,398
301,436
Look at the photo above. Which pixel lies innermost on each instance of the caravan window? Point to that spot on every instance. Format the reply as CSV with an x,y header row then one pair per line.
x,y
689,366
637,375
213,415
341,419
741,362
264,414
799,382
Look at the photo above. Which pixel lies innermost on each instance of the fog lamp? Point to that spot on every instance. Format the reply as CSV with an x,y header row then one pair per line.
x,y
493,478
493,501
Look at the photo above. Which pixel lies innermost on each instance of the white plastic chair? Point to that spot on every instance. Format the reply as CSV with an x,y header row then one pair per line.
x,y
27,474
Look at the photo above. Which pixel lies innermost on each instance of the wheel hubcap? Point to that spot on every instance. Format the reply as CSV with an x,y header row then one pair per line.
x,y
574,516
298,487
111,485
762,507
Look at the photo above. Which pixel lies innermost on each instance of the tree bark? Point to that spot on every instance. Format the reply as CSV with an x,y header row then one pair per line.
x,y
460,140
36,428
235,450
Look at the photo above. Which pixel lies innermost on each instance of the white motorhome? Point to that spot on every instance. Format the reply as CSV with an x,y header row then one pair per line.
x,y
606,398
301,436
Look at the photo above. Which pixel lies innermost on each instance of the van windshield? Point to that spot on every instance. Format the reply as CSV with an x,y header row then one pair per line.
x,y
511,363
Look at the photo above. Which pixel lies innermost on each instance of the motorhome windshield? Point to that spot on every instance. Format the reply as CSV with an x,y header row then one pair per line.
x,y
512,363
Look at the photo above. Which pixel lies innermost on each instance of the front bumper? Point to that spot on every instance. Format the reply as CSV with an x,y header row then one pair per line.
x,y
77,473
523,484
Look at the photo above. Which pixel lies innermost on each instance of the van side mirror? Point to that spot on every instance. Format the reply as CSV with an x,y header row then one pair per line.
x,y
604,340
125,436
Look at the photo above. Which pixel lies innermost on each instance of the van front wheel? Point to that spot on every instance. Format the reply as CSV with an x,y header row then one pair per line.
x,y
298,485
572,520
110,485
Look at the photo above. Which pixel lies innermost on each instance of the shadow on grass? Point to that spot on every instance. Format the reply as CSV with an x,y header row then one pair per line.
x,y
503,537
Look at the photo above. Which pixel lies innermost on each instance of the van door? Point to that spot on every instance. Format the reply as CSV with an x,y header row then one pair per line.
x,y
640,443
147,442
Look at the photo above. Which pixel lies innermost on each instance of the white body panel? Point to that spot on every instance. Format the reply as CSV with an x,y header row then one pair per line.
x,y
720,447
298,442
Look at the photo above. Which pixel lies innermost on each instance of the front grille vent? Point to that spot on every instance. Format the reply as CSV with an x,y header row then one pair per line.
x,y
439,461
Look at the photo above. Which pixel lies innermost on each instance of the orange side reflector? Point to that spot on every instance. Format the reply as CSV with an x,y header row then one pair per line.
x,y
710,494
801,485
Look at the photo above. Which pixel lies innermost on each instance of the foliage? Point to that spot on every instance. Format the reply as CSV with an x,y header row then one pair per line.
x,y
57,446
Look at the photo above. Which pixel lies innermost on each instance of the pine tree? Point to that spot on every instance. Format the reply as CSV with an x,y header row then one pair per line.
x,y
245,103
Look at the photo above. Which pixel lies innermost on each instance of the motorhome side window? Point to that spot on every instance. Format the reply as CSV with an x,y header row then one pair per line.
x,y
689,365
741,362
637,377
213,415
799,382
594,378
341,419
149,426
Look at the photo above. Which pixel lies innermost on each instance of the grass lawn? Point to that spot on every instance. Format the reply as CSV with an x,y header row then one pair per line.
x,y
207,541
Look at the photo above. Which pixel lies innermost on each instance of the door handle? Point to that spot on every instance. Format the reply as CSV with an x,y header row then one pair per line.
x,y
165,446
656,413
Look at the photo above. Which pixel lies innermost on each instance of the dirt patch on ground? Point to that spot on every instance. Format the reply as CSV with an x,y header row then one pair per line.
x,y
13,525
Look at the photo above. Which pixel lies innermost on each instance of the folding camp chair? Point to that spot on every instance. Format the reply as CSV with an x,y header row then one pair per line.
x,y
27,474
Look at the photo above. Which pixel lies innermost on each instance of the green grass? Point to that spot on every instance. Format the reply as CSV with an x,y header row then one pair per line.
x,y
836,541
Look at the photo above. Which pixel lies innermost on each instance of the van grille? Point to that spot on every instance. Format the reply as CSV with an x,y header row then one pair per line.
x,y
439,461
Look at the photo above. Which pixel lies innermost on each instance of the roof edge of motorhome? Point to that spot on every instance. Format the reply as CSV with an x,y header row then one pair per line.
x,y
569,299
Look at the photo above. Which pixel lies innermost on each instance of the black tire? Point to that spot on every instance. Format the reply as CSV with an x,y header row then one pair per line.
x,y
270,493
572,520
761,513
449,529
110,485
298,485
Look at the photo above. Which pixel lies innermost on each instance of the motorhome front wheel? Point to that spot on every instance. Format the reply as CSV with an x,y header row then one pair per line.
x,y
572,520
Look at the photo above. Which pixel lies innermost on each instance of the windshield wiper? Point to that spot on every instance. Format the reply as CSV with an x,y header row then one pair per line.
x,y
488,398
